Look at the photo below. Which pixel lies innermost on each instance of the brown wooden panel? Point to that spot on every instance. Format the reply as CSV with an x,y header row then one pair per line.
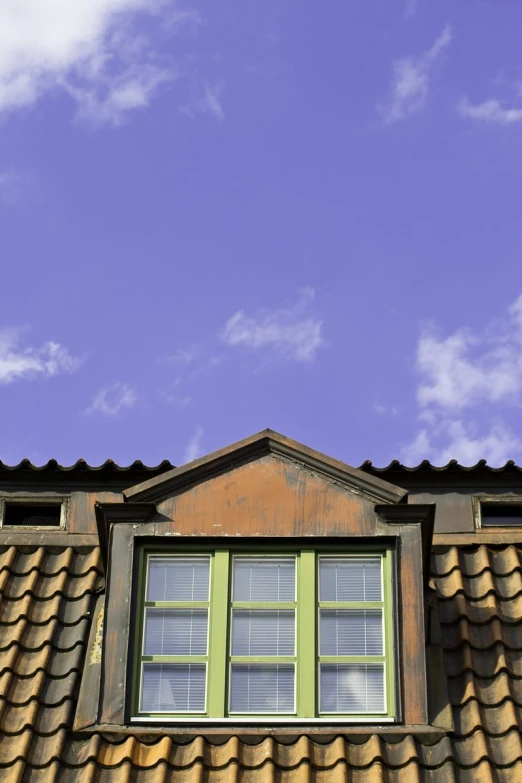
x,y
268,497
116,626
81,509
411,607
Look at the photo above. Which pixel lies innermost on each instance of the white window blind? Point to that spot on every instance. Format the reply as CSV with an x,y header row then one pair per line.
x,y
352,688
351,632
350,579
178,579
176,632
263,632
264,580
257,688
173,687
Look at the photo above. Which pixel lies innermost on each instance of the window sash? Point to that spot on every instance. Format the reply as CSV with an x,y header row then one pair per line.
x,y
306,661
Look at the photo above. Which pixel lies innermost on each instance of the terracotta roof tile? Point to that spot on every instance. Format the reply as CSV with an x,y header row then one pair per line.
x,y
46,611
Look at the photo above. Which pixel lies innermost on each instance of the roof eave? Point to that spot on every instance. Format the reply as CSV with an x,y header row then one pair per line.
x,y
265,442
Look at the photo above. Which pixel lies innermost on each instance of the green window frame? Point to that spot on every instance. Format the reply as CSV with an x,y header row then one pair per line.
x,y
308,656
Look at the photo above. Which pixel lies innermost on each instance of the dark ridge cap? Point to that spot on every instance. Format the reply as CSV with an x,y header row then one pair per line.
x,y
452,466
81,465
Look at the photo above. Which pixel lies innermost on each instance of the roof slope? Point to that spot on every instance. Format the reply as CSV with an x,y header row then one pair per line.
x,y
46,608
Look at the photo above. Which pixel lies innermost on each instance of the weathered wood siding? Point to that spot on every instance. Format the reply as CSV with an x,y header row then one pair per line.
x,y
268,497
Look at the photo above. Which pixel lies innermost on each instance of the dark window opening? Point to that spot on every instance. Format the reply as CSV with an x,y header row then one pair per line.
x,y
32,515
503,515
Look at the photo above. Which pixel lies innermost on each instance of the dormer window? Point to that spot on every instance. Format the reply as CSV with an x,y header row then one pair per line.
x,y
231,635
33,513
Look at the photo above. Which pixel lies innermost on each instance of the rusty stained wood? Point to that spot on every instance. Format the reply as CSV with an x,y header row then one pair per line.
x,y
412,655
268,497
87,707
255,447
117,626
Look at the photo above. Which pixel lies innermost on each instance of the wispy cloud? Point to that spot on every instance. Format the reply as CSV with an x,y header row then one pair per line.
x,y
174,399
385,410
293,332
464,378
491,111
208,103
182,356
19,363
464,442
193,447
111,400
91,49
410,82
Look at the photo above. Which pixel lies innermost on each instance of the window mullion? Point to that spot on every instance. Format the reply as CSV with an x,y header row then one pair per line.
x,y
217,659
306,635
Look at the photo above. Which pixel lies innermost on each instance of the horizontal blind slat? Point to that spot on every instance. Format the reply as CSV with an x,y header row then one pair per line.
x,y
264,579
262,688
263,632
352,688
178,579
350,579
173,687
176,632
351,632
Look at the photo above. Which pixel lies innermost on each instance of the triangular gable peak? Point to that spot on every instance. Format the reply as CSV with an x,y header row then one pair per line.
x,y
266,485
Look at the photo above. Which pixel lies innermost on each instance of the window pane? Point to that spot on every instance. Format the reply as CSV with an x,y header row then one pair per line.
x,y
263,632
352,688
264,579
350,579
176,632
173,687
262,688
351,632
178,579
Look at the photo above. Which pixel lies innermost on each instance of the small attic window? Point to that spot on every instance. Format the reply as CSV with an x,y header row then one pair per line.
x,y
501,514
25,514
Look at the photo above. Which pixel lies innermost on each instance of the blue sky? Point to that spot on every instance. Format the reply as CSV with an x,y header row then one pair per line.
x,y
221,217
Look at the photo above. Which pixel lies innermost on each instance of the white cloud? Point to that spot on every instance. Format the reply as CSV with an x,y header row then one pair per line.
x,y
182,356
111,400
174,399
491,111
193,447
410,82
385,410
88,48
466,379
455,439
208,103
467,369
293,332
17,363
